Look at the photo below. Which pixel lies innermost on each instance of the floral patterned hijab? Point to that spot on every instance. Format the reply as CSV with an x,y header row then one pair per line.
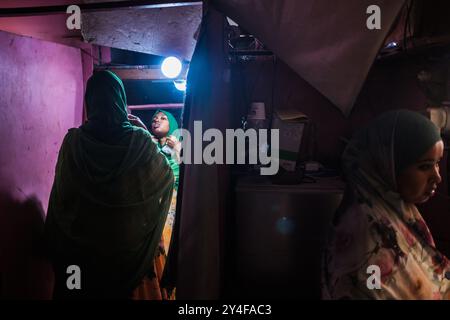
x,y
376,227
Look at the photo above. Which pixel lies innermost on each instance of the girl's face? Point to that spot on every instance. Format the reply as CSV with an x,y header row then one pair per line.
x,y
160,125
418,182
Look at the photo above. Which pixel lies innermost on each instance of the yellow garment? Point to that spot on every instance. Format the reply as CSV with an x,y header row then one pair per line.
x,y
150,288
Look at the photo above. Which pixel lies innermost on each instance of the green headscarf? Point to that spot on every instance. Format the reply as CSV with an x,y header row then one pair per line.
x,y
173,124
110,198
106,106
378,153
414,135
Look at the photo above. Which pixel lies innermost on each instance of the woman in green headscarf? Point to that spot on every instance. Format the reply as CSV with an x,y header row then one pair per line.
x,y
380,246
110,198
164,129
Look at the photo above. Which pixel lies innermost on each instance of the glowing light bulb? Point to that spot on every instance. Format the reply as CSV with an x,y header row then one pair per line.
x,y
180,84
171,67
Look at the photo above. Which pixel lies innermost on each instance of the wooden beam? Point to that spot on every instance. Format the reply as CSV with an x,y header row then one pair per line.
x,y
92,7
143,72
157,106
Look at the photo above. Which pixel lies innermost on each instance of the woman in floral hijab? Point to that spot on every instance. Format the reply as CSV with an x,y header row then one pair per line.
x,y
390,166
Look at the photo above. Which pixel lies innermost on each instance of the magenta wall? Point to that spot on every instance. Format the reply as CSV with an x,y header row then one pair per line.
x,y
41,97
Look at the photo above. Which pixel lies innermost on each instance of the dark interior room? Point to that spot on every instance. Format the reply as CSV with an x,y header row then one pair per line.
x,y
208,150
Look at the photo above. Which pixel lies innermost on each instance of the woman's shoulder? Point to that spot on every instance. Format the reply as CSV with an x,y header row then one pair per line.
x,y
351,212
354,218
70,135
143,135
141,132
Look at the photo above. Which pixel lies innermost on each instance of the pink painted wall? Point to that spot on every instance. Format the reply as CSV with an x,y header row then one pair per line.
x,y
41,97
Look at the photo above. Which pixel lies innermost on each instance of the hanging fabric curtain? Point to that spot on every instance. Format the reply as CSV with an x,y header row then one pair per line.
x,y
197,251
326,43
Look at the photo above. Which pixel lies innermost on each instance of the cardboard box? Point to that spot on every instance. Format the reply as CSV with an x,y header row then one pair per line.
x,y
291,124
